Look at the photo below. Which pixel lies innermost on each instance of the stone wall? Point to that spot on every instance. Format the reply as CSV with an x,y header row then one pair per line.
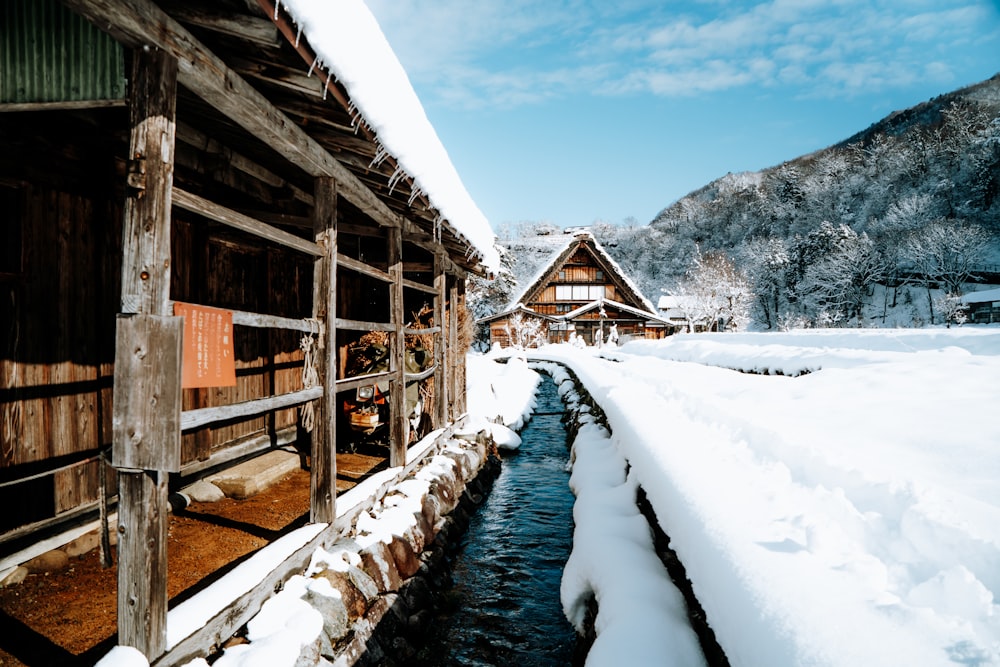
x,y
376,587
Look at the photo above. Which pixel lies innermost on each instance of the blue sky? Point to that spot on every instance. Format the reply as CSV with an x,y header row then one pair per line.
x,y
571,111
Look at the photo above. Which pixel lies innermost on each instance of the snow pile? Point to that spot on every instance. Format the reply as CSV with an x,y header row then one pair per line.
x,y
352,47
846,517
613,559
804,351
284,625
501,392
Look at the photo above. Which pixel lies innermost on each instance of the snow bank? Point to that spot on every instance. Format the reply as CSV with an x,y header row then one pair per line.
x,y
501,392
846,517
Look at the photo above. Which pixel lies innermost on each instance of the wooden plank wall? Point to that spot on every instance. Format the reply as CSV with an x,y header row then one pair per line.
x,y
212,270
58,349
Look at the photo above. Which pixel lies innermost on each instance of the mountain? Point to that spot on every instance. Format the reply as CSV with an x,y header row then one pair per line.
x,y
935,165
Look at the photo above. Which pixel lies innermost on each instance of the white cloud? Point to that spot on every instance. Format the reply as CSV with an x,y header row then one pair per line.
x,y
475,53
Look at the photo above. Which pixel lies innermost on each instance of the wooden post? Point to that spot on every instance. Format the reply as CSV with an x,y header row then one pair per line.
x,y
146,437
398,424
440,373
323,469
453,411
459,353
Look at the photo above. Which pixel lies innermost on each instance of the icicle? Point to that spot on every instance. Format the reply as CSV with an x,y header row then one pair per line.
x,y
277,6
298,36
396,177
414,193
438,226
316,62
380,155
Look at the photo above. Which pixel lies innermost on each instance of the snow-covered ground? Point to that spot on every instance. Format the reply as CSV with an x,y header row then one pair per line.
x,y
848,516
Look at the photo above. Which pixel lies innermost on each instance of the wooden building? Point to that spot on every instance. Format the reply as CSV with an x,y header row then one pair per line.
x,y
580,292
162,157
983,307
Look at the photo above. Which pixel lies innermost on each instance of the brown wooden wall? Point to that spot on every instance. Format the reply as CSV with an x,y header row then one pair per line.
x,y
57,361
61,189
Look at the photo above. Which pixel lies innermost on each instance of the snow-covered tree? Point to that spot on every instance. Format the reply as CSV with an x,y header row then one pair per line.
x,y
766,264
714,291
524,331
836,287
947,253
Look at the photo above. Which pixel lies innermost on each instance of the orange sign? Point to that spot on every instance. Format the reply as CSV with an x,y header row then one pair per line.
x,y
209,360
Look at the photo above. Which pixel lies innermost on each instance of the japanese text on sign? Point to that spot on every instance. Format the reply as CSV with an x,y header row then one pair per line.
x,y
209,360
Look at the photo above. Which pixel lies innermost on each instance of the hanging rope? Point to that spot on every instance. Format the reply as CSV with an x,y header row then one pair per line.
x,y
310,378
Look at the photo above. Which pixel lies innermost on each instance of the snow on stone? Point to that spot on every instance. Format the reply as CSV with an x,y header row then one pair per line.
x,y
850,516
353,48
283,626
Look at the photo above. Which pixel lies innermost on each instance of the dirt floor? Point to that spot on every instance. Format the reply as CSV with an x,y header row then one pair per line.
x,y
69,617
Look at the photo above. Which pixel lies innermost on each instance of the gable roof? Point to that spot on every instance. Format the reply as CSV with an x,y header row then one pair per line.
x,y
586,241
599,303
517,308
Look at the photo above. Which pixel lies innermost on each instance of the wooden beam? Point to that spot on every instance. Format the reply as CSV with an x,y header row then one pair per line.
x,y
420,287
358,325
191,419
192,202
323,467
398,424
365,269
141,23
205,143
250,28
146,262
461,394
72,105
142,561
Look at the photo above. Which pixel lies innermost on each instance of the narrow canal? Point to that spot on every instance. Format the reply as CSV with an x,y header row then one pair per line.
x,y
508,569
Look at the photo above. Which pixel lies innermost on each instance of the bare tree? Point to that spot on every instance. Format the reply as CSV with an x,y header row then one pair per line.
x,y
946,252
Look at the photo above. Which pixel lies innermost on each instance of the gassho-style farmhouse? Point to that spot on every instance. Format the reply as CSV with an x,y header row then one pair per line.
x,y
580,293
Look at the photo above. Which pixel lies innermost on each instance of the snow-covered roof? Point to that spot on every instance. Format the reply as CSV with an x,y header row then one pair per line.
x,y
560,253
559,249
598,303
982,297
667,301
516,308
350,45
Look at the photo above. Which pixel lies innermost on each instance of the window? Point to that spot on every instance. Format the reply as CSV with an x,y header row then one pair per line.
x,y
562,275
599,275
579,292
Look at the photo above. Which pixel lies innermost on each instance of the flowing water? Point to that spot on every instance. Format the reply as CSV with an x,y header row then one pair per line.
x,y
508,570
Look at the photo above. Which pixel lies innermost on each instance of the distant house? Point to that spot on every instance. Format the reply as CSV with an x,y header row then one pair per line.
x,y
580,291
673,309
984,306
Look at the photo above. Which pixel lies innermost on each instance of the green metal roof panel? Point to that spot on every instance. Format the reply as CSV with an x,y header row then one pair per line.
x,y
50,54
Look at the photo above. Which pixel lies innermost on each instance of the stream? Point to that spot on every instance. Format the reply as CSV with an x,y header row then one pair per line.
x,y
504,606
